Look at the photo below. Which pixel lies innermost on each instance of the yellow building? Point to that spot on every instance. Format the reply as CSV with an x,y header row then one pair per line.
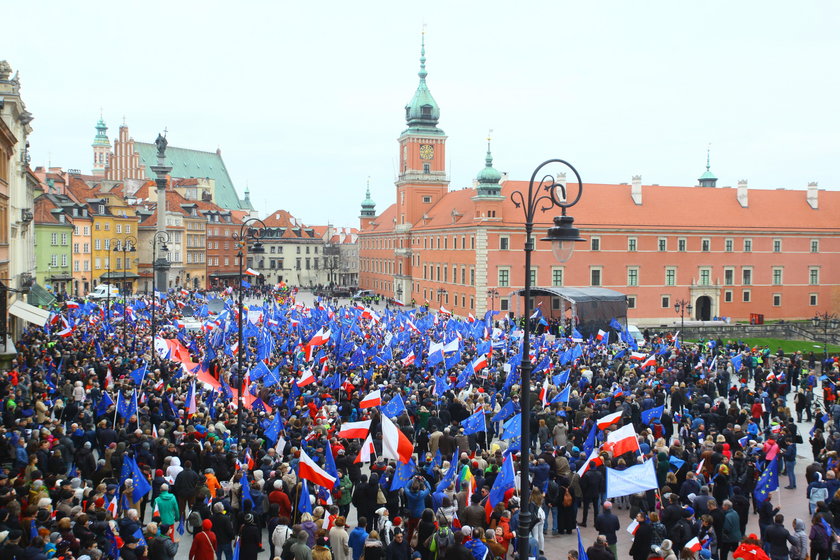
x,y
113,233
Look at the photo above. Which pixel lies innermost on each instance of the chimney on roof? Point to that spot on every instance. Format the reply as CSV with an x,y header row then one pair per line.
x,y
742,193
813,195
636,189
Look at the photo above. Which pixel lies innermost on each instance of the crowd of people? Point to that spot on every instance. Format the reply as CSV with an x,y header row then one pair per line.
x,y
119,442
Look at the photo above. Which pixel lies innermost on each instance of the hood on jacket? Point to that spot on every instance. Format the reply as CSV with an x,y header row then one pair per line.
x,y
798,525
166,495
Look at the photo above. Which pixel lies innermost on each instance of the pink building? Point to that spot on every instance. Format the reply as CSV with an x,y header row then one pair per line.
x,y
728,251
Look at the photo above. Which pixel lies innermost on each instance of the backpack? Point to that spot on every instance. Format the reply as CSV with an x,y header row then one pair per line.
x,y
286,552
818,494
444,540
194,519
568,500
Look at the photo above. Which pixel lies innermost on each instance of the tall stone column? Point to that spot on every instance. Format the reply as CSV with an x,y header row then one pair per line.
x,y
161,170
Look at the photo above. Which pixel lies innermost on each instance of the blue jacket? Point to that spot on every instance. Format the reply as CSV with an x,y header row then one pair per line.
x,y
416,501
356,540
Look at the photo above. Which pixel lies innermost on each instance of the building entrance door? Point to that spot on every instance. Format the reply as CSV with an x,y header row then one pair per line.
x,y
703,308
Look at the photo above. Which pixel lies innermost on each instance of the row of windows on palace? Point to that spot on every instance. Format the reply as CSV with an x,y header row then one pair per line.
x,y
442,297
705,244
440,273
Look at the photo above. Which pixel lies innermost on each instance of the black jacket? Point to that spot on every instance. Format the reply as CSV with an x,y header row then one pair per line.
x,y
223,528
777,538
642,541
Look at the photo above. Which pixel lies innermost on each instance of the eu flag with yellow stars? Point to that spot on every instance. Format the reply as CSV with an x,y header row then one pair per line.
x,y
768,481
141,484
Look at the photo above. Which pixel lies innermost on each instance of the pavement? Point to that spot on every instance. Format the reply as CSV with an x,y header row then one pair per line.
x,y
793,502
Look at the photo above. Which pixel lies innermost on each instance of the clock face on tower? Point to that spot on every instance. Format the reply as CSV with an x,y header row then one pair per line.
x,y
427,151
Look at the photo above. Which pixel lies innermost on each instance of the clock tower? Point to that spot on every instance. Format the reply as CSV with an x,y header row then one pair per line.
x,y
422,180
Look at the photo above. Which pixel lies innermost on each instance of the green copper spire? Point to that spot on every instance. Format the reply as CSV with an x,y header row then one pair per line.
x,y
488,178
368,205
101,138
708,178
422,112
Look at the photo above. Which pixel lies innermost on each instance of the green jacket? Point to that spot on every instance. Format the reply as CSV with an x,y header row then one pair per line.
x,y
346,487
731,532
168,507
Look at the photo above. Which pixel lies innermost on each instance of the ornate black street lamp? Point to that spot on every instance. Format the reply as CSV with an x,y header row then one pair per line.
x,y
681,307
827,321
253,229
161,237
563,236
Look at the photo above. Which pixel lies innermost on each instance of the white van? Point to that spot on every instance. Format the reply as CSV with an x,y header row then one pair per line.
x,y
102,292
636,334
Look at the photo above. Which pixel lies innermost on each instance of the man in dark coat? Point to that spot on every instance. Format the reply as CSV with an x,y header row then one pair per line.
x,y
642,538
777,537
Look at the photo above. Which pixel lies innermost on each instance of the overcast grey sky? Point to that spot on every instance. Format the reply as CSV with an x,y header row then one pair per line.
x,y
306,99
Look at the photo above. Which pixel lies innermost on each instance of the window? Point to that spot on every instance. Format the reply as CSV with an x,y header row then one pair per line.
x,y
96,226
86,230
631,302
64,239
504,277
107,226
746,276
681,244
107,244
777,275
815,245
727,296
777,245
75,266
632,276
747,245
595,244
504,304
463,275
119,228
670,276
745,296
98,263
63,260
812,299
632,242
54,239
594,276
504,243
427,200
705,245
128,228
119,263
666,302
97,244
663,243
777,300
87,247
728,244
728,276
427,168
533,275
556,277
705,276
814,275
472,276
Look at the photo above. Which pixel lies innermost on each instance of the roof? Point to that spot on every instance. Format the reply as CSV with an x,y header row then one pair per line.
x,y
578,295
663,207
188,163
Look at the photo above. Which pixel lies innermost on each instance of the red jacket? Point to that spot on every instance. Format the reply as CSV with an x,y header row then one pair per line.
x,y
204,546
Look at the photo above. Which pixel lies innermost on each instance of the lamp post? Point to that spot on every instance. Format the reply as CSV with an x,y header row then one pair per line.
x,y
108,289
827,321
493,293
126,245
252,229
681,307
549,193
161,237
440,293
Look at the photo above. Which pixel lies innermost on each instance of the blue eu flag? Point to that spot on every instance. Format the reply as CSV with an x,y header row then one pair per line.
x,y
768,481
